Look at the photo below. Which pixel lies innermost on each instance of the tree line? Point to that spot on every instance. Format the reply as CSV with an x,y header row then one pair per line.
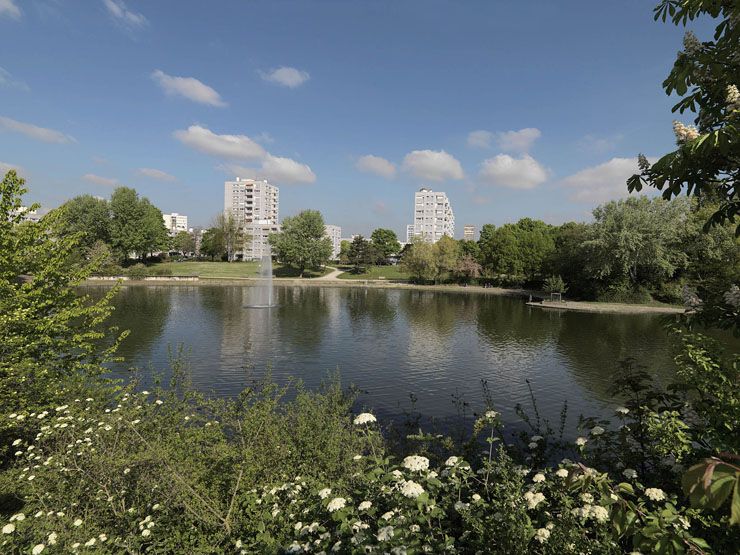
x,y
635,249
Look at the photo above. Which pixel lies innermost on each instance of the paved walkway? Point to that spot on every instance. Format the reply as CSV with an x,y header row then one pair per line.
x,y
334,274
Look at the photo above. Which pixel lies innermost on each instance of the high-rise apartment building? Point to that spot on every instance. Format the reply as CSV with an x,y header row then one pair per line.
x,y
334,232
469,232
433,216
251,201
254,206
410,233
175,223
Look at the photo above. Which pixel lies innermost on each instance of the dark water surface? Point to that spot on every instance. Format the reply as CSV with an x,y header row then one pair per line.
x,y
390,344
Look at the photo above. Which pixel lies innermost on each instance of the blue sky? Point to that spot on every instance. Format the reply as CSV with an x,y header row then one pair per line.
x,y
513,108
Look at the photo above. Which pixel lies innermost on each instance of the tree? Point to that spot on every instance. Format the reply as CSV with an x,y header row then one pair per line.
x,y
344,251
212,243
50,332
87,215
302,243
518,249
418,260
385,243
706,163
637,241
446,254
361,254
136,225
232,235
467,268
184,242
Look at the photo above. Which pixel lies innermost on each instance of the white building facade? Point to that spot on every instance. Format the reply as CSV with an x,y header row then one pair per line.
x,y
433,216
254,206
469,232
175,223
334,232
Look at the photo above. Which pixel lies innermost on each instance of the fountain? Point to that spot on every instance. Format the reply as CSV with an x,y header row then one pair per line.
x,y
263,291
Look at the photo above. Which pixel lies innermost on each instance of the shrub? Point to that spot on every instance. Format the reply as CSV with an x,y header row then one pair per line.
x,y
137,271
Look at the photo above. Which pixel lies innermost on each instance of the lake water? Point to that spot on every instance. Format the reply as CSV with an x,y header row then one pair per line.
x,y
391,344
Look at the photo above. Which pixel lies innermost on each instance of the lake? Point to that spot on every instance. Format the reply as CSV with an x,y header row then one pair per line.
x,y
393,344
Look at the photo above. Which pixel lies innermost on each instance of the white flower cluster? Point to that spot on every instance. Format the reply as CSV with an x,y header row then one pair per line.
x,y
596,512
533,499
542,535
684,133
733,98
336,504
416,463
597,431
411,489
656,494
364,418
732,297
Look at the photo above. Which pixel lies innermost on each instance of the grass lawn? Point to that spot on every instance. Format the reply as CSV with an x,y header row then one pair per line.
x,y
231,270
391,273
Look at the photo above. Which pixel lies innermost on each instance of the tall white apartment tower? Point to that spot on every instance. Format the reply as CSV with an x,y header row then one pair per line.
x,y
433,216
334,232
254,205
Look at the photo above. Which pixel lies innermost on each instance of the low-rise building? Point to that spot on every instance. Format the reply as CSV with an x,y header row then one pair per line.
x,y
175,223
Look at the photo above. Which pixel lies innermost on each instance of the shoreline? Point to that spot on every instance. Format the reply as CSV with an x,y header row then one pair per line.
x,y
575,306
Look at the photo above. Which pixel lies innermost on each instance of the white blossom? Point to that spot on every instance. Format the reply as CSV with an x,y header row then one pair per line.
x,y
622,410
683,132
561,473
452,461
542,535
324,493
597,431
656,494
539,477
365,505
581,441
364,418
146,532
533,499
733,98
416,463
629,473
336,504
38,548
599,513
385,533
411,489
9,528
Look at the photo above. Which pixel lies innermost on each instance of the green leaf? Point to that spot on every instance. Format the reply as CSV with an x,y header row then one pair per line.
x,y
735,506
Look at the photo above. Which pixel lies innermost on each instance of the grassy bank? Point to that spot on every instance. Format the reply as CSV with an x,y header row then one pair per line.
x,y
231,270
394,273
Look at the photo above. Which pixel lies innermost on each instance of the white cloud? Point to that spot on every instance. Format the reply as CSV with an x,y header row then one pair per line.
x,y
280,170
189,87
10,9
480,139
98,180
286,76
286,170
235,147
121,14
607,181
34,132
518,141
515,173
156,174
434,165
377,165
7,80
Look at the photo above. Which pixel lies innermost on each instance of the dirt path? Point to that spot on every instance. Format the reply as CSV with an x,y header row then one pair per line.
x,y
334,274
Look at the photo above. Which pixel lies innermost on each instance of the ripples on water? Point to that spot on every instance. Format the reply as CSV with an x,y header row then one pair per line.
x,y
391,344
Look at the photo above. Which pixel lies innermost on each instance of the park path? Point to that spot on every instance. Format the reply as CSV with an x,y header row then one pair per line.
x,y
334,274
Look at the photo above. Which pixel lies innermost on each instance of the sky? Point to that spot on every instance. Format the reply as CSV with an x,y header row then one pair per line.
x,y
514,109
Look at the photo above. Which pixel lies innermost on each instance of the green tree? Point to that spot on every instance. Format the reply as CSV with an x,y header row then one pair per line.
x,y
705,75
49,332
87,215
384,243
418,260
446,254
344,251
302,244
361,254
232,235
136,225
637,241
467,268
518,249
183,242
212,243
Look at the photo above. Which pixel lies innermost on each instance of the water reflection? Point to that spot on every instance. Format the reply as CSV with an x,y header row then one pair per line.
x,y
392,343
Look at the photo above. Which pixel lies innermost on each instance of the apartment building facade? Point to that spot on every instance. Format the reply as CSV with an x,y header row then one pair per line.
x,y
334,232
175,223
433,216
254,205
469,232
